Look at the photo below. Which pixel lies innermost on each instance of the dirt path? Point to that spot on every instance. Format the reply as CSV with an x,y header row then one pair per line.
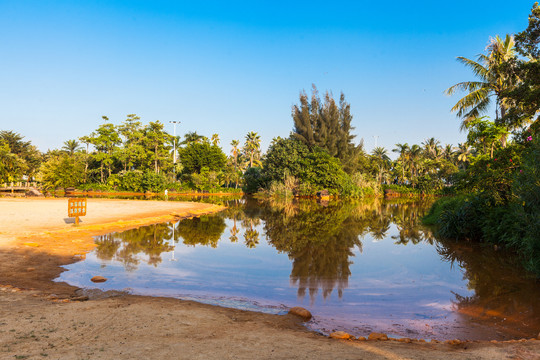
x,y
47,320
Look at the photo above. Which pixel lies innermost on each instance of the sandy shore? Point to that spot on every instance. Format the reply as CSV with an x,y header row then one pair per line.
x,y
42,319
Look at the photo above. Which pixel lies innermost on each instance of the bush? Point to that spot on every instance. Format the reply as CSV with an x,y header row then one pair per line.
x,y
206,180
154,182
253,180
95,187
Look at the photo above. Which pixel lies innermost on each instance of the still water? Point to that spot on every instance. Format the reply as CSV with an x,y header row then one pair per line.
x,y
357,266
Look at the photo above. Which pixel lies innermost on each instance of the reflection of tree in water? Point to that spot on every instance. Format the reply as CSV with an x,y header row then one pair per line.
x,y
319,240
125,246
204,230
503,292
408,216
251,236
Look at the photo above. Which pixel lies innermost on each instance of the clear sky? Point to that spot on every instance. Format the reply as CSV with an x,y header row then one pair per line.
x,y
230,67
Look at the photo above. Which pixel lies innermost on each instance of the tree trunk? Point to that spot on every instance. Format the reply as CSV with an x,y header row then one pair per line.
x,y
155,160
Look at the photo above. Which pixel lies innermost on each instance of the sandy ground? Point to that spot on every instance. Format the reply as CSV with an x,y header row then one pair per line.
x,y
40,319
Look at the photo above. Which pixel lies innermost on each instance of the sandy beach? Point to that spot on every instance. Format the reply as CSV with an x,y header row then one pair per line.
x,y
42,319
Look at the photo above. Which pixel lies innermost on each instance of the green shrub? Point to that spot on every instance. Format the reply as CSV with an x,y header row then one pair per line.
x,y
253,180
153,182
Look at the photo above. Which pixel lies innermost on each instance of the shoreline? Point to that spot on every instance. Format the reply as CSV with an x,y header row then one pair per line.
x,y
30,260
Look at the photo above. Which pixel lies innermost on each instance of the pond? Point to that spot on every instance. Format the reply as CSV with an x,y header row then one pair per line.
x,y
359,267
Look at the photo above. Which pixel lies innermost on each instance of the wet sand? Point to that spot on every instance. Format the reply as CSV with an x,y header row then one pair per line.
x,y
43,319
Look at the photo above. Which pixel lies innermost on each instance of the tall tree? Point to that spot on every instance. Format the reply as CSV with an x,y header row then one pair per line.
x,y
252,148
133,151
157,141
235,152
326,124
403,150
105,140
382,160
71,147
525,98
193,137
495,77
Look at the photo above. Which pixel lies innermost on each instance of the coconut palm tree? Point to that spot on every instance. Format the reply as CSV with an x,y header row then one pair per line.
x,y
193,137
252,148
215,139
448,153
71,147
415,154
431,147
403,150
235,151
463,152
494,76
380,154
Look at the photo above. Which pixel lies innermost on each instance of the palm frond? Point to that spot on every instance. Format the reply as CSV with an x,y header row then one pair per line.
x,y
478,69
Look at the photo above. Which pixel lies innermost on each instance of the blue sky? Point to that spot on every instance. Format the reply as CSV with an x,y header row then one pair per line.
x,y
230,67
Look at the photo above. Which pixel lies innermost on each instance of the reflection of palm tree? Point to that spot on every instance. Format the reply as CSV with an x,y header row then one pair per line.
x,y
251,236
234,231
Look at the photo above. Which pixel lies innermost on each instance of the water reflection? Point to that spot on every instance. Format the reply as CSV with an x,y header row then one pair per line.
x,y
127,245
398,278
318,238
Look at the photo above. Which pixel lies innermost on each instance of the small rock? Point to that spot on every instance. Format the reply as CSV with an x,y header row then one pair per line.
x,y
340,335
361,338
377,336
405,340
30,269
79,298
493,341
301,312
538,337
98,279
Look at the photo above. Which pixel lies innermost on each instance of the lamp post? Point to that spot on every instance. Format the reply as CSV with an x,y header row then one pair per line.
x,y
174,143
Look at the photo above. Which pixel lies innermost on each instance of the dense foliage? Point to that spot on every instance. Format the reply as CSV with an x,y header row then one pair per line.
x,y
499,189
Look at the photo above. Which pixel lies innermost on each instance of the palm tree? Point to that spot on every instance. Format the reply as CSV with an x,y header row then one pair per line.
x,y
448,152
193,137
71,147
431,147
463,153
415,154
380,155
235,151
252,147
403,150
215,139
494,79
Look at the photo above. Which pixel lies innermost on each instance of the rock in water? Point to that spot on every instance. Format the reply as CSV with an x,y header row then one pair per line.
x,y
340,335
98,279
301,312
377,336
